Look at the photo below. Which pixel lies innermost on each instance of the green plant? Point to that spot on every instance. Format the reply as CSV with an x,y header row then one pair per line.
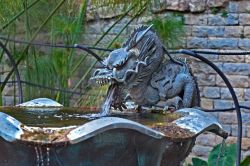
x,y
224,13
215,10
170,29
48,68
221,155
246,161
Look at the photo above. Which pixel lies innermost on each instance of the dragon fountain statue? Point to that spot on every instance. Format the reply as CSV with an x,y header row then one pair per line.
x,y
141,72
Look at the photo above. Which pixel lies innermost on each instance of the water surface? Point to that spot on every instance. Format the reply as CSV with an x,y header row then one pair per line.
x,y
63,117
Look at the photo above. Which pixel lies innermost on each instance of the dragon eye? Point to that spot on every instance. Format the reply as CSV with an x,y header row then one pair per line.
x,y
121,64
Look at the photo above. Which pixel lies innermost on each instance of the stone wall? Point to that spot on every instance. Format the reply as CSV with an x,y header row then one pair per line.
x,y
218,25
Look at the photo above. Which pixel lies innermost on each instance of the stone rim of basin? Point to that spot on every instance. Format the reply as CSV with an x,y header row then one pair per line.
x,y
193,122
40,102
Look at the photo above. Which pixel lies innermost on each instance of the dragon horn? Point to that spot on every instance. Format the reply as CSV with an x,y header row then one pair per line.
x,y
138,39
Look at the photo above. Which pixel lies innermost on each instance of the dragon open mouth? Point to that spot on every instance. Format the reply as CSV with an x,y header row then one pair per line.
x,y
102,80
102,77
106,76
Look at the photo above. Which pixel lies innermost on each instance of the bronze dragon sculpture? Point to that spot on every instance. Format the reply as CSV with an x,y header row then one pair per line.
x,y
141,71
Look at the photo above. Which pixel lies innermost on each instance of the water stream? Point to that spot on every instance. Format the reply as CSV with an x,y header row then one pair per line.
x,y
221,151
42,159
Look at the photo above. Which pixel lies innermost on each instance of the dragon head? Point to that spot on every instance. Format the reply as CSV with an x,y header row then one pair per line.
x,y
136,59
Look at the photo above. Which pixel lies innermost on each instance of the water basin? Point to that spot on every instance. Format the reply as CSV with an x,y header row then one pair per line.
x,y
59,136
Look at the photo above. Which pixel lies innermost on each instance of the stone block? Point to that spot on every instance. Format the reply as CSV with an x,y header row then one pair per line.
x,y
247,104
216,3
211,92
106,12
232,58
159,6
206,103
247,31
188,30
235,131
233,31
225,94
246,118
206,139
217,19
195,42
206,80
218,140
90,15
223,43
244,44
231,140
233,7
247,58
197,5
243,6
245,143
244,19
183,5
222,104
199,150
201,67
171,5
199,31
195,19
247,94
227,117
236,68
208,31
232,19
248,131
237,81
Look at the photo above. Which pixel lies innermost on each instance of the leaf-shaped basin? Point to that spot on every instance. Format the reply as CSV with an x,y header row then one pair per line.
x,y
122,139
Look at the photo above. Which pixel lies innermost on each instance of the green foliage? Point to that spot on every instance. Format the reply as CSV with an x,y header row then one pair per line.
x,y
40,72
221,155
224,13
246,161
64,19
170,29
215,10
8,9
120,3
198,162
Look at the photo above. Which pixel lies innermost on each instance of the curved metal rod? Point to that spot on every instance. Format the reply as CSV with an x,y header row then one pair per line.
x,y
89,51
235,99
18,78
